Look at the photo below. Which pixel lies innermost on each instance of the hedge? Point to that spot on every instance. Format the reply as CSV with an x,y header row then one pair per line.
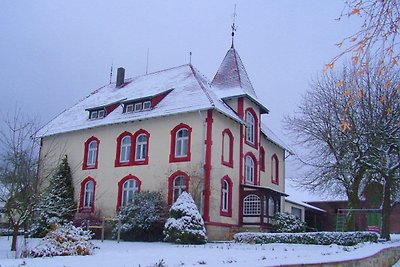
x,y
314,238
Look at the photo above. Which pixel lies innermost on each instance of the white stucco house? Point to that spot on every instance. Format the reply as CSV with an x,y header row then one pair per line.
x,y
172,131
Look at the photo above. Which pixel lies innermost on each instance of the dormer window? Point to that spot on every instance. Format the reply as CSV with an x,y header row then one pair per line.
x,y
97,114
146,105
138,107
129,108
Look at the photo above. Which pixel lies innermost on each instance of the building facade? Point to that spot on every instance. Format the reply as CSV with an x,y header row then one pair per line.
x,y
173,131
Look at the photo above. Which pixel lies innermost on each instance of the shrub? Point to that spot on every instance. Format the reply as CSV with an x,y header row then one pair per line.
x,y
185,224
287,223
315,238
66,240
144,218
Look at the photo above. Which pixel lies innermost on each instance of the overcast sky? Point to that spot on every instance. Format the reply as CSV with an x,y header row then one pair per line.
x,y
54,53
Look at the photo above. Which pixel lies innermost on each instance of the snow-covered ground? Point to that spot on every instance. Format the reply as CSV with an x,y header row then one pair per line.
x,y
133,254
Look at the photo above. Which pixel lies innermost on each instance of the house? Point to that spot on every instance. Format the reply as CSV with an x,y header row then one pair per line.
x,y
172,131
300,209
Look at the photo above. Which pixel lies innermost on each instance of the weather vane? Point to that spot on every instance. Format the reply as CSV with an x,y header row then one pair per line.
x,y
234,28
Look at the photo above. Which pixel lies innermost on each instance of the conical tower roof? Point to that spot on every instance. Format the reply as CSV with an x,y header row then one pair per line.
x,y
232,75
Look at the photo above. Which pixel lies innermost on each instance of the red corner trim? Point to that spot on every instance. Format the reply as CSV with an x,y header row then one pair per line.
x,y
262,159
207,166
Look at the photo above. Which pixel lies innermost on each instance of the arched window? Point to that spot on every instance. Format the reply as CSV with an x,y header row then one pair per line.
x,y
249,170
179,186
251,205
141,138
274,169
141,147
226,197
86,202
91,151
125,149
180,143
123,156
262,159
127,188
227,148
251,133
177,183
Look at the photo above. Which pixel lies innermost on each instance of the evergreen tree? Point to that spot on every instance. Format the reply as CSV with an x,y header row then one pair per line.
x,y
185,224
144,218
57,205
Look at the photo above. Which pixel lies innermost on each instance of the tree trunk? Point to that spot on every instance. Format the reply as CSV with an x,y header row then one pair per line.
x,y
386,209
14,237
354,200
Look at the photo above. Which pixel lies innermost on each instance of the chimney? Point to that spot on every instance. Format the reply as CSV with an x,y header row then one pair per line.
x,y
120,77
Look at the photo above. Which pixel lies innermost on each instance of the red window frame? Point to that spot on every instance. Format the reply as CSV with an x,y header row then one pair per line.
x,y
82,195
146,160
262,159
227,213
252,112
275,160
171,184
120,188
118,162
172,157
256,182
85,166
226,133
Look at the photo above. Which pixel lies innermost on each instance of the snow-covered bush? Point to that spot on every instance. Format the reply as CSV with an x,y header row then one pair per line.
x,y
66,240
287,223
315,238
144,218
57,205
185,224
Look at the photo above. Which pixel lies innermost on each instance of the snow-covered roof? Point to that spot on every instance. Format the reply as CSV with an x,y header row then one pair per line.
x,y
301,203
271,136
232,80
186,88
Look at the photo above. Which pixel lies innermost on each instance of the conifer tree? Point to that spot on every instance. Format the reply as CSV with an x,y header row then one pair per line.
x,y
185,224
57,205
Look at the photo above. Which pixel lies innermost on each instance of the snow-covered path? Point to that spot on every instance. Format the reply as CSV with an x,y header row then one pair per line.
x,y
111,253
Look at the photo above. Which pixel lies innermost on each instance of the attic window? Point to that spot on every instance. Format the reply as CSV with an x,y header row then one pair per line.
x,y
146,105
138,106
97,114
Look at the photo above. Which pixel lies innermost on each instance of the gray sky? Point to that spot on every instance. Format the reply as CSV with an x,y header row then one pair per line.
x,y
54,53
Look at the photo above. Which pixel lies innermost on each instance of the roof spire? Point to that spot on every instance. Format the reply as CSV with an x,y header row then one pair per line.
x,y
234,28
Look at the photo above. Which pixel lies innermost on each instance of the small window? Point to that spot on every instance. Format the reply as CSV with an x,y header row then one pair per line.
x,y
296,212
182,143
138,107
92,154
129,108
93,115
141,147
146,105
179,186
101,113
249,170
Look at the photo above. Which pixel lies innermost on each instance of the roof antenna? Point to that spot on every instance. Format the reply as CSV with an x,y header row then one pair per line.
x,y
111,71
190,58
147,62
234,28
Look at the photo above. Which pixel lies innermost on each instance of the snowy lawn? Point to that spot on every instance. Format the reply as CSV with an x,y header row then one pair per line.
x,y
133,254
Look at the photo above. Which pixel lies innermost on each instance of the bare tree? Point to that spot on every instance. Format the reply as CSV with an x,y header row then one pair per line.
x,y
350,124
378,34
18,171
